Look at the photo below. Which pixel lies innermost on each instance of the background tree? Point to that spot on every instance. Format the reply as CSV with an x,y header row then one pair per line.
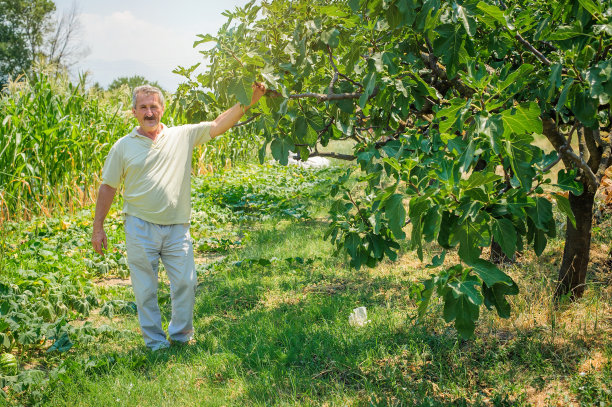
x,y
444,101
131,82
63,47
23,26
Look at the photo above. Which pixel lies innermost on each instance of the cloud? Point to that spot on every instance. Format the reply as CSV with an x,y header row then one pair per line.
x,y
121,36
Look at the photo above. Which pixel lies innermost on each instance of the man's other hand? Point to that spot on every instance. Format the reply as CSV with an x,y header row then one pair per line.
x,y
99,240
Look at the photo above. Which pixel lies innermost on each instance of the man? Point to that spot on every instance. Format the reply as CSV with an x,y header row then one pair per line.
x,y
154,162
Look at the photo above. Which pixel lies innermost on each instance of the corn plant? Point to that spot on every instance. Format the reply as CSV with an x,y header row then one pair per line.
x,y
54,137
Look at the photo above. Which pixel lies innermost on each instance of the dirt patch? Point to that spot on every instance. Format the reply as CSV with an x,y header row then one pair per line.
x,y
113,282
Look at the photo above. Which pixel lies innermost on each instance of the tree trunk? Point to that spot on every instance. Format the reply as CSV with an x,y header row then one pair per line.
x,y
572,275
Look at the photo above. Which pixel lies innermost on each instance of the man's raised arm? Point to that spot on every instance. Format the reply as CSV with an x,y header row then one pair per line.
x,y
227,119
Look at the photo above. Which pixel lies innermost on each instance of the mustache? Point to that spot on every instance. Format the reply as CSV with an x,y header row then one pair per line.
x,y
149,117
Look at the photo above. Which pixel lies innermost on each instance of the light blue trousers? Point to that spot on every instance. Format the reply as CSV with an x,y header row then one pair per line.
x,y
147,243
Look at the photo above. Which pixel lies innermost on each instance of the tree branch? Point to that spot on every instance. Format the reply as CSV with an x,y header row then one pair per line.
x,y
532,49
323,97
559,142
590,137
562,148
247,121
345,157
592,181
330,89
581,145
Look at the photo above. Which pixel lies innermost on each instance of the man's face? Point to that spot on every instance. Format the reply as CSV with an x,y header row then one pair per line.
x,y
148,111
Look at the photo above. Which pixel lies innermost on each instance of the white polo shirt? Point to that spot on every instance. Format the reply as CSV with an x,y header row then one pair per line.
x,y
156,174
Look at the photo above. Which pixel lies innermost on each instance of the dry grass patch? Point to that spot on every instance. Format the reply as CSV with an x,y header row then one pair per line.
x,y
275,299
555,393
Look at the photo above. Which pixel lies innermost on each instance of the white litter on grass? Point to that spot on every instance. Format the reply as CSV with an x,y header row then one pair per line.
x,y
359,317
312,162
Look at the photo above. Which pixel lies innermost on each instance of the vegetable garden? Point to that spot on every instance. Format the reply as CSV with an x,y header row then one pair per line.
x,y
467,208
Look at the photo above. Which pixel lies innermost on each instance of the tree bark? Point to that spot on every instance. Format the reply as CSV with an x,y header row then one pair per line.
x,y
573,271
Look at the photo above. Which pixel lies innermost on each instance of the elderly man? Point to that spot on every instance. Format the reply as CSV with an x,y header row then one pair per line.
x,y
154,162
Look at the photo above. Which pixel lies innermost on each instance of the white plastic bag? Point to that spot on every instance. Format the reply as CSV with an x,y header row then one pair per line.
x,y
359,317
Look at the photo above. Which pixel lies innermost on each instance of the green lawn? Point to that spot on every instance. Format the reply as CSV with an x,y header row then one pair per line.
x,y
272,312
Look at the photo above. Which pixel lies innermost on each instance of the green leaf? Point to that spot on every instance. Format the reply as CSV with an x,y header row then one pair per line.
x,y
370,85
61,345
564,206
5,340
418,206
300,127
331,37
539,242
504,234
431,223
585,108
261,154
554,81
407,9
396,214
448,228
564,94
566,180
426,292
272,79
242,89
468,288
450,114
489,273
480,178
492,12
494,296
352,241
437,260
541,213
521,119
466,19
449,46
520,75
463,311
519,151
591,7
471,236
564,32
203,38
280,148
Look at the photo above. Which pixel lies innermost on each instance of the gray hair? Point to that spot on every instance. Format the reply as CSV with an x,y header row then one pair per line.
x,y
147,90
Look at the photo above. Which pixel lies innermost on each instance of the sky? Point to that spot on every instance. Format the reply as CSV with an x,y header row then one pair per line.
x,y
148,38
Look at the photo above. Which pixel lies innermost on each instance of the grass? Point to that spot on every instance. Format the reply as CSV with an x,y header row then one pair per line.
x,y
271,321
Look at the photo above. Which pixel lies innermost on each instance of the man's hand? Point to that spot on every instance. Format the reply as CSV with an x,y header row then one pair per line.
x,y
231,116
103,204
99,240
259,89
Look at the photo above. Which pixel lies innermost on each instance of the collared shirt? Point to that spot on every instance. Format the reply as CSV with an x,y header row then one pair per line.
x,y
156,174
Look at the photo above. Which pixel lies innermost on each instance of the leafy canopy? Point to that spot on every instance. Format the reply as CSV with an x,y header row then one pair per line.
x,y
443,100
